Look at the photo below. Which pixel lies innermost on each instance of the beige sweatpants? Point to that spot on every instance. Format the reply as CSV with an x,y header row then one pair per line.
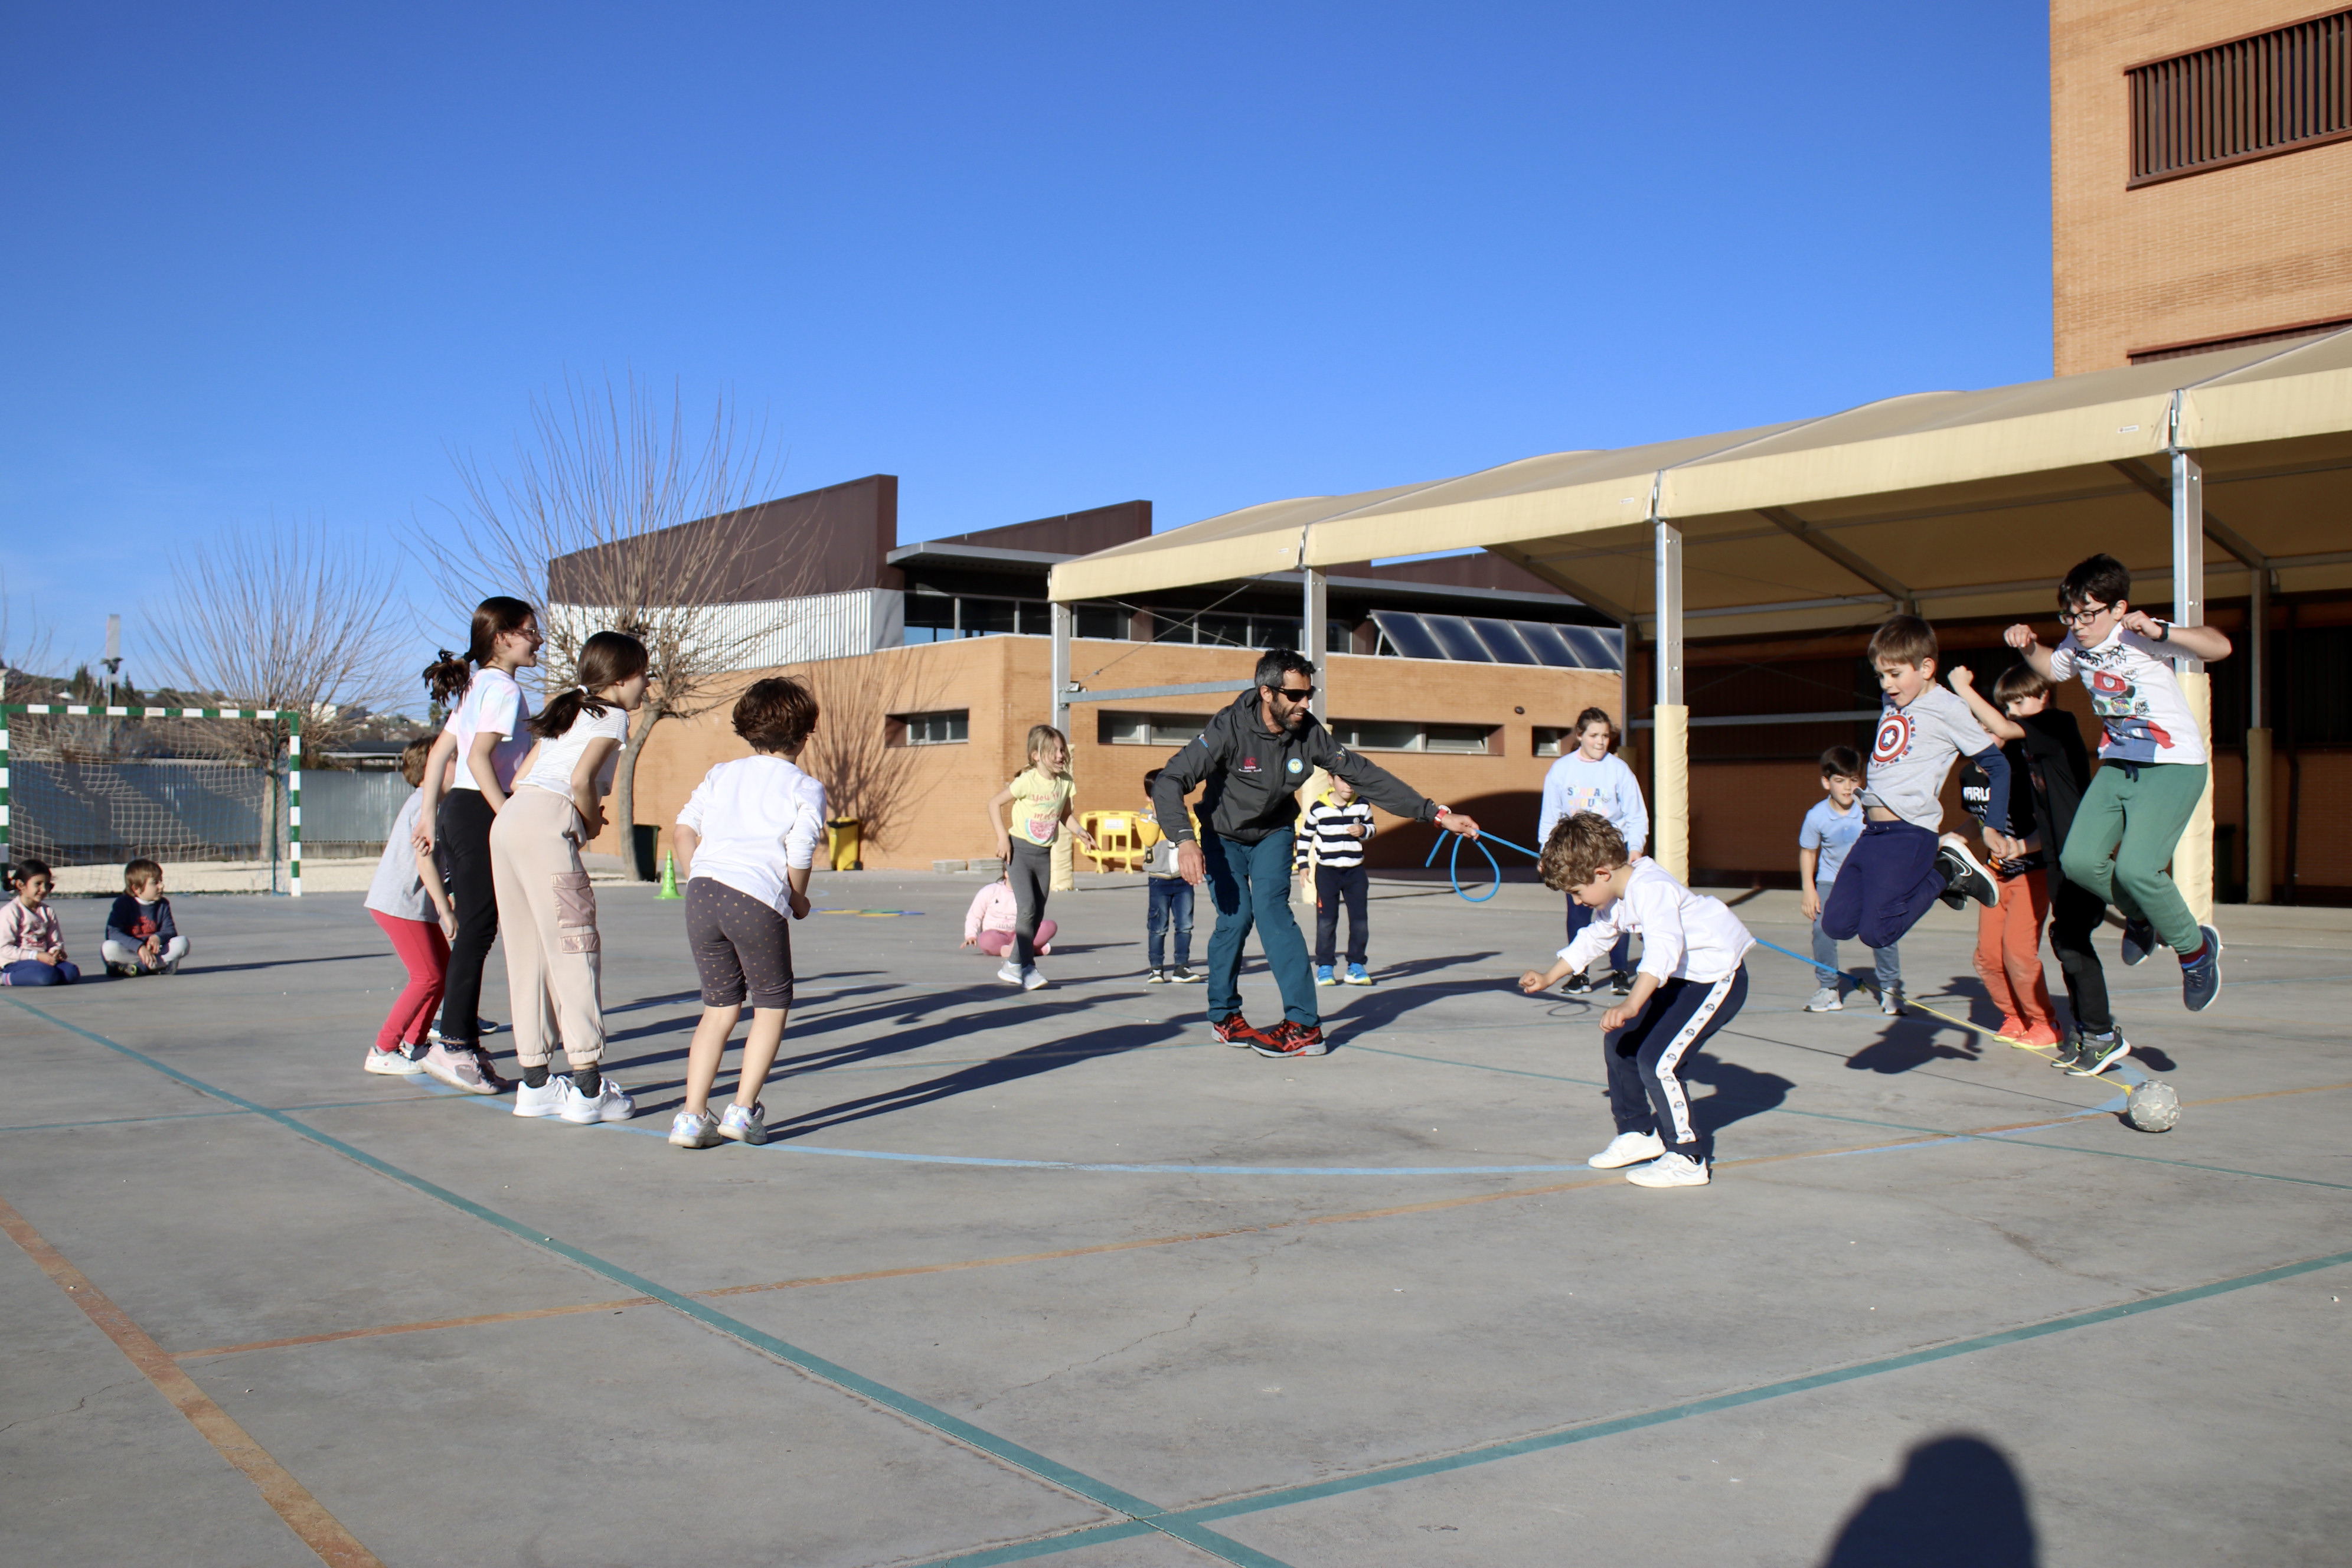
x,y
547,912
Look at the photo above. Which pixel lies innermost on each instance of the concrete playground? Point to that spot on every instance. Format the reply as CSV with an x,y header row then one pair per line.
x,y
1056,1278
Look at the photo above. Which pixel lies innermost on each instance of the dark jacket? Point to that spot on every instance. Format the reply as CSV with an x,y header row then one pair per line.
x,y
1252,774
130,923
2048,770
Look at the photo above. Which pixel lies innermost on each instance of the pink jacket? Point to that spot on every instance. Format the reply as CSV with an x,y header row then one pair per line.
x,y
25,931
993,909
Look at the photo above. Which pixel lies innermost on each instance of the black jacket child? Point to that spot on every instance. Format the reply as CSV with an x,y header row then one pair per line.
x,y
1253,773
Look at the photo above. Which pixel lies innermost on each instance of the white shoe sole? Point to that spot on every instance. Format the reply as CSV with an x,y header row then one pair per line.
x,y
453,1080
1636,1177
391,1064
1602,1162
742,1137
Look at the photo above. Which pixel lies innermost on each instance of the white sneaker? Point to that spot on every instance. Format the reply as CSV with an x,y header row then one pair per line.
x,y
1010,974
1669,1171
1825,1000
1890,1002
611,1103
1031,980
745,1125
393,1064
694,1130
1628,1149
460,1069
547,1099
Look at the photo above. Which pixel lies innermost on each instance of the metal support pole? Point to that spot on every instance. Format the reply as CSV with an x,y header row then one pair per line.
x,y
1064,620
294,806
1314,616
2255,652
1670,833
2192,858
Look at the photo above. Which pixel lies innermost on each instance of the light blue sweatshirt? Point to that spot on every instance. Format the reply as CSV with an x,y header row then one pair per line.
x,y
1607,788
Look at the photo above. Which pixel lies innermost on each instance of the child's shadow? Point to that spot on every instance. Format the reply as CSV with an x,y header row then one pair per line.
x,y
1911,1042
1739,1092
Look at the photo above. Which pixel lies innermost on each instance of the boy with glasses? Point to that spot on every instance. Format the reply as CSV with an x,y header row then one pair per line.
x,y
2153,767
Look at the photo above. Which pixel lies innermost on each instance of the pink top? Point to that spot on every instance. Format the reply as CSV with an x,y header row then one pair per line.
x,y
26,931
993,909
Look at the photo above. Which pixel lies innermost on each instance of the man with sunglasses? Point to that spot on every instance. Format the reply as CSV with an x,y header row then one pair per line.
x,y
1252,758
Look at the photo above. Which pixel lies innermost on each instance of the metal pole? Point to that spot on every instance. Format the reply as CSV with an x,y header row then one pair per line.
x,y
1670,614
4,861
294,806
2258,742
2192,858
1064,620
1314,617
1670,830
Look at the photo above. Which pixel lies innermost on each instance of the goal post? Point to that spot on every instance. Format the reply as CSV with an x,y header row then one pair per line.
x,y
12,833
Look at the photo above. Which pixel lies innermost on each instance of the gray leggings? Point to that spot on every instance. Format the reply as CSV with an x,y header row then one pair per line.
x,y
1032,873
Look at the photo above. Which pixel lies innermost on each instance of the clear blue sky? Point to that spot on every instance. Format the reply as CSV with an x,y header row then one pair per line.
x,y
282,261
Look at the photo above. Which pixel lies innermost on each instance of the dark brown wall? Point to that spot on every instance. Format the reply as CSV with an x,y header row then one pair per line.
x,y
1072,533
819,541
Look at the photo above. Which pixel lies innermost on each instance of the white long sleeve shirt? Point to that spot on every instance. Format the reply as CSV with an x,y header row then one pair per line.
x,y
1607,788
758,817
1685,936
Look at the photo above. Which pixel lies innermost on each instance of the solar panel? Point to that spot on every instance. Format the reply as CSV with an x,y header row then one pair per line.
x,y
1480,639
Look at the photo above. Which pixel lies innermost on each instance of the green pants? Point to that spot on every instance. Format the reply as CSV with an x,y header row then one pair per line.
x,y
2123,838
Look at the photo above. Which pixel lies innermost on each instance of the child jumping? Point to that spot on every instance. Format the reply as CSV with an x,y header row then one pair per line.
x,y
32,945
1592,777
1691,984
1336,827
2009,933
140,936
747,838
554,962
1040,795
1899,866
988,925
1169,905
410,906
1829,830
2131,815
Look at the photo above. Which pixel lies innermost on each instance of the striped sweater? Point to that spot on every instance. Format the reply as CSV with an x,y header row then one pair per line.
x,y
1325,826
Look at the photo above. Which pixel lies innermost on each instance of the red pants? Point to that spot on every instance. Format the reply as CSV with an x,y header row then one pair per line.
x,y
2009,958
426,951
998,943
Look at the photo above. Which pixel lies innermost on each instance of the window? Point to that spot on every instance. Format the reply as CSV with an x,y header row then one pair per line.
x,y
934,617
2251,98
1148,729
939,729
1409,735
1099,623
1549,740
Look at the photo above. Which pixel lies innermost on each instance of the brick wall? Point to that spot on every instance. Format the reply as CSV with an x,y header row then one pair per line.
x,y
2237,250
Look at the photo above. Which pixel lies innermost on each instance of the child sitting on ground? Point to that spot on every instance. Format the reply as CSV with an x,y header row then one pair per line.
x,y
32,945
988,925
1691,982
1899,866
1336,826
140,938
2008,933
1829,831
1169,905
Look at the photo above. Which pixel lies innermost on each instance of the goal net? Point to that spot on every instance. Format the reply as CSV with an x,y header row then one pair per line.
x,y
89,787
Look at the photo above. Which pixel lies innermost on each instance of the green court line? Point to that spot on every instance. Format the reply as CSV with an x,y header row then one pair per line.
x,y
1140,1513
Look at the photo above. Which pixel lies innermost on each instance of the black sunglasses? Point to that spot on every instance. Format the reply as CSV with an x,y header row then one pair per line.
x,y
1296,693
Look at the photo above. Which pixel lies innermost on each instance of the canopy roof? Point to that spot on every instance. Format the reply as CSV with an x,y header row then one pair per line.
x,y
1965,502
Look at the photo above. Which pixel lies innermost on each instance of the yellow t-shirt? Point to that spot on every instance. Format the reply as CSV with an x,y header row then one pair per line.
x,y
1037,802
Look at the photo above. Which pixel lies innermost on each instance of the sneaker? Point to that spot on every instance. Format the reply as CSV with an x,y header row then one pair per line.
x,y
2140,940
1669,1171
1183,976
2094,1053
1621,981
1323,976
130,971
489,1074
694,1130
1289,1039
1356,975
1964,874
1628,1149
1825,1000
1576,985
2200,977
1031,980
484,1026
1010,974
2068,1053
1156,977
2010,1031
459,1066
1890,1002
611,1103
745,1124
545,1100
1236,1030
394,1063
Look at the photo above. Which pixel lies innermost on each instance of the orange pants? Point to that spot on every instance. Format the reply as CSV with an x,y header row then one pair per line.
x,y
2009,958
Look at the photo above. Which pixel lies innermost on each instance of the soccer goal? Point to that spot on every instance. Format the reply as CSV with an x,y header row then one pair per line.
x,y
84,785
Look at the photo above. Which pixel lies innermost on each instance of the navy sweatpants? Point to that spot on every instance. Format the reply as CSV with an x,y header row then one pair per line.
x,y
1646,1058
1888,880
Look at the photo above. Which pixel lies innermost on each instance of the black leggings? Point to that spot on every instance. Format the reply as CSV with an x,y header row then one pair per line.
x,y
462,826
1032,879
2076,915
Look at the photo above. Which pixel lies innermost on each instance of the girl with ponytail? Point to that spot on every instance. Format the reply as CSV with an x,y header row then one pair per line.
x,y
554,967
485,738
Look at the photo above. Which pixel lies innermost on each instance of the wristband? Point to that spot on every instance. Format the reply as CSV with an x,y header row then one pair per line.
x,y
2164,631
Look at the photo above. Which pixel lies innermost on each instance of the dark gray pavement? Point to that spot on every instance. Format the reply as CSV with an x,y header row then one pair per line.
x,y
1054,1277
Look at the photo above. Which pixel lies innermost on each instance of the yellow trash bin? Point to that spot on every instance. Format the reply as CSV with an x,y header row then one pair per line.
x,y
841,837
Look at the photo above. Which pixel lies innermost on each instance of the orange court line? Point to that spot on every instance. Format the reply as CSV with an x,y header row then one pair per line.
x,y
320,1530
475,1321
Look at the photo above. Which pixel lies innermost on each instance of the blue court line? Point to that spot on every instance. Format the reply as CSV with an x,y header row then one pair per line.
x,y
1141,1515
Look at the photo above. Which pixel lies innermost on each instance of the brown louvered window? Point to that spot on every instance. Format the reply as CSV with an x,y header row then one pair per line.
x,y
2251,98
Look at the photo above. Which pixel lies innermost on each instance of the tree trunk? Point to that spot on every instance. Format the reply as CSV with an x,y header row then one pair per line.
x,y
625,789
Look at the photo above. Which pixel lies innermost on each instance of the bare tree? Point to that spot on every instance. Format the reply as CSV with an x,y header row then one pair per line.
x,y
285,616
858,752
25,648
621,510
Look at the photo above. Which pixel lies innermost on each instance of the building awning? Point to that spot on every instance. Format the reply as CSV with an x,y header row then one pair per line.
x,y
1960,503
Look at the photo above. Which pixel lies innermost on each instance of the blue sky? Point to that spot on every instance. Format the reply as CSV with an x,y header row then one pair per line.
x,y
282,261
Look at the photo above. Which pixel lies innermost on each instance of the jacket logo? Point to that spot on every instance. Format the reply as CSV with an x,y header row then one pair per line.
x,y
1249,764
1295,765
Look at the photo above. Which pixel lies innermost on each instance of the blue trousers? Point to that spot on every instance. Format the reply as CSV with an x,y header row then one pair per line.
x,y
1250,885
32,971
1886,883
1171,906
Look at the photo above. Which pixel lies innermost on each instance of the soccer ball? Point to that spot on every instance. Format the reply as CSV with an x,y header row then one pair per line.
x,y
2153,1107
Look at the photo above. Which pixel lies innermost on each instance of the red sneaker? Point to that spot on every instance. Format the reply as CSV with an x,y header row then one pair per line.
x,y
1236,1030
1289,1039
